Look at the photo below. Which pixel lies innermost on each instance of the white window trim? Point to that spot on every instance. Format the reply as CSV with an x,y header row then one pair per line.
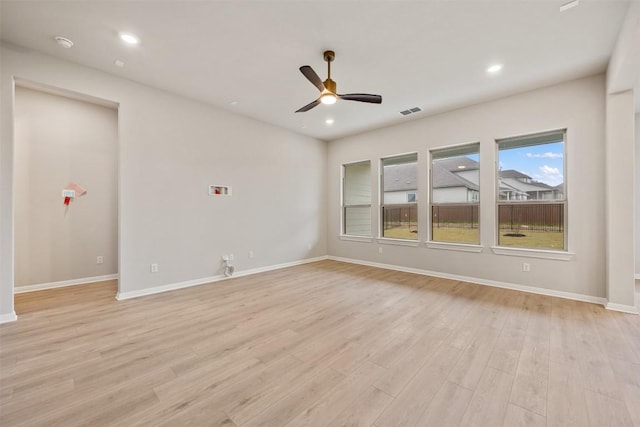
x,y
352,238
533,253
343,207
382,205
462,247
564,254
398,242
433,244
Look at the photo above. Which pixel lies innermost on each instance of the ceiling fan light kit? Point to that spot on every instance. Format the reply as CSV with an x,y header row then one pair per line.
x,y
328,92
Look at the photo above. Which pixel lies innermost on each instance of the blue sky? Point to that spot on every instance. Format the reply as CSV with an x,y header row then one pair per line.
x,y
544,163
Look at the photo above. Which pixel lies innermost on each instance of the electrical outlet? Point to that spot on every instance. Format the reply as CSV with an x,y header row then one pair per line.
x,y
154,268
380,249
230,257
251,254
309,246
526,267
99,260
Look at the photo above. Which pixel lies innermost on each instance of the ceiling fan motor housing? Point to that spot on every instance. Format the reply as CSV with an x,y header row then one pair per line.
x,y
330,85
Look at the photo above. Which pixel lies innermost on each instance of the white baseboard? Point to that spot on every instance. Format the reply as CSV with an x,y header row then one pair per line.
x,y
496,284
6,318
64,283
631,309
205,280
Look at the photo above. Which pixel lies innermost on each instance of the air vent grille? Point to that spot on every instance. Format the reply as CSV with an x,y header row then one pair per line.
x,y
410,111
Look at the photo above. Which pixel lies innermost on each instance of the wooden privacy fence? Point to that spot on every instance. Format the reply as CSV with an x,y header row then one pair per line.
x,y
517,216
400,215
534,217
458,216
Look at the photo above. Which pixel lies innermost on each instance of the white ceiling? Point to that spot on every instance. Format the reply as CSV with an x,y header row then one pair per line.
x,y
430,54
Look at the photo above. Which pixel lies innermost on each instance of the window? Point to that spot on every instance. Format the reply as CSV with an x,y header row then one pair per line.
x,y
399,197
455,194
356,199
531,192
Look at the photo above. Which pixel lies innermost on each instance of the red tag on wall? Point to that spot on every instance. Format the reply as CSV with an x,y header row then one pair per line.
x,y
67,200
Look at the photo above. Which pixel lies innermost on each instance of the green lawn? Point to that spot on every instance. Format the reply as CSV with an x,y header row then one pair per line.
x,y
531,239
534,240
456,235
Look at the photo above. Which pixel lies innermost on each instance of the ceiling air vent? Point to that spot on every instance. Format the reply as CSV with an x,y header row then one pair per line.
x,y
410,111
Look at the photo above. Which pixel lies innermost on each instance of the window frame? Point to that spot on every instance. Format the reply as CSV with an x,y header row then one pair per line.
x,y
548,253
381,202
344,206
470,246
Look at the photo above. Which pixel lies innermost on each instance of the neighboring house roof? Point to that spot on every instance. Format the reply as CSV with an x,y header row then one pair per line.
x,y
511,173
444,178
402,177
526,187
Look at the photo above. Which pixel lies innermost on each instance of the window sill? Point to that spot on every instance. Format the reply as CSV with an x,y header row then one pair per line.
x,y
533,253
463,247
356,238
398,242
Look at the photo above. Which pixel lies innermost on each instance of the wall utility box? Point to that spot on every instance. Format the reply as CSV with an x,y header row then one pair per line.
x,y
219,190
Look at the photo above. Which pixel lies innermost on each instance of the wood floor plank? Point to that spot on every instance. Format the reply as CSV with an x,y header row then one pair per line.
x,y
409,406
325,343
489,402
530,385
520,417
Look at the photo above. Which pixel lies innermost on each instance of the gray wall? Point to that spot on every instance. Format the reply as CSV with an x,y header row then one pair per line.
x,y
576,105
60,140
170,150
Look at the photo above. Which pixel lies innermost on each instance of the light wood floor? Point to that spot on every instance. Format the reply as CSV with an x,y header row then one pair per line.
x,y
321,344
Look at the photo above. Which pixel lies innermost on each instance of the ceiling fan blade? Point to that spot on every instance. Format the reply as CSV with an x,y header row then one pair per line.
x,y
312,77
309,106
362,97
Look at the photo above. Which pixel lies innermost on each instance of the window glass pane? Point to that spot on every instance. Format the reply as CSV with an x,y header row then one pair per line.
x,y
530,179
400,222
455,224
455,179
357,221
357,184
531,172
455,194
536,226
400,197
399,178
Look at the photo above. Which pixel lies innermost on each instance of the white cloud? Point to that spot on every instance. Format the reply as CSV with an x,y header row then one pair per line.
x,y
549,175
547,155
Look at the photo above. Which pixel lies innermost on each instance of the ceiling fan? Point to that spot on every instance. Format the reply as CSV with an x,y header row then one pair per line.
x,y
328,94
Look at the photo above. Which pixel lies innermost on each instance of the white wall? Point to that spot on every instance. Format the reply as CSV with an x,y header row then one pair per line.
x,y
577,105
637,212
60,140
170,150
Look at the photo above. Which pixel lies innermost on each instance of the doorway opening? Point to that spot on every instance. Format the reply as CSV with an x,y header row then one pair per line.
x,y
65,194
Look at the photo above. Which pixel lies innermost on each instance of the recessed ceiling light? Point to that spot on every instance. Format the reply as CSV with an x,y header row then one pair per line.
x,y
494,68
462,167
118,63
329,121
234,103
569,5
129,38
64,42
